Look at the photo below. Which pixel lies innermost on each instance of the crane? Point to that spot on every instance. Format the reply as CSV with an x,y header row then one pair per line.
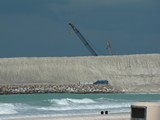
x,y
108,46
84,41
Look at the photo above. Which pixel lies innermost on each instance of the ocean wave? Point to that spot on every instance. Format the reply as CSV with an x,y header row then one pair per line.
x,y
67,104
6,108
86,107
111,100
72,105
68,101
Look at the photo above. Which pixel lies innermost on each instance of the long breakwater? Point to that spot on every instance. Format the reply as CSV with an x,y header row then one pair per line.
x,y
138,73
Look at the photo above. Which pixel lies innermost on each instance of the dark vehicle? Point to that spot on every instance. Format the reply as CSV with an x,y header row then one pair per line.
x,y
101,82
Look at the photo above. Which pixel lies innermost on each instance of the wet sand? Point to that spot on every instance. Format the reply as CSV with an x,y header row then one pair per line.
x,y
93,117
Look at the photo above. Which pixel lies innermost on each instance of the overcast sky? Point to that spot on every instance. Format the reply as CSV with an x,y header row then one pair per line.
x,y
32,28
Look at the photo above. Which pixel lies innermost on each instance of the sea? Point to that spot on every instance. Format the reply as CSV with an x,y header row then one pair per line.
x,y
59,104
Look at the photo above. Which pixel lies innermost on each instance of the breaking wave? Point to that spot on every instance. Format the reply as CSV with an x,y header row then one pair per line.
x,y
59,105
68,104
68,101
6,108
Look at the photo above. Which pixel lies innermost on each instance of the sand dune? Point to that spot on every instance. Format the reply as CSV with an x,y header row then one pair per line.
x,y
128,72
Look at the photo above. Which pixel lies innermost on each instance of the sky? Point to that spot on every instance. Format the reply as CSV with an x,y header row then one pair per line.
x,y
39,28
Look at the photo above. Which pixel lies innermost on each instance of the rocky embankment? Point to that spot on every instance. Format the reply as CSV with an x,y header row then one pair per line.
x,y
30,89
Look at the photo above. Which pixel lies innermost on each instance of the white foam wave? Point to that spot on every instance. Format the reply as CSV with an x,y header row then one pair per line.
x,y
6,108
80,101
20,106
68,101
86,107
112,100
68,104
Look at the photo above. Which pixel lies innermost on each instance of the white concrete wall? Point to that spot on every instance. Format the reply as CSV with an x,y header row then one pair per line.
x,y
129,72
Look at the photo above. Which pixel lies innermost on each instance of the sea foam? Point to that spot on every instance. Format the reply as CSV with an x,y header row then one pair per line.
x,y
68,101
6,108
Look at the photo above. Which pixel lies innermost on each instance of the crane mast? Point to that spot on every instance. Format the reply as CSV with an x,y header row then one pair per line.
x,y
84,41
108,46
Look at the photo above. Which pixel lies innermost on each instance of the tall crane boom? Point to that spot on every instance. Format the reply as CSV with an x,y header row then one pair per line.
x,y
84,41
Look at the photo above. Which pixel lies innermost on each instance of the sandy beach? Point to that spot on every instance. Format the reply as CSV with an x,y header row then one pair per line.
x,y
93,117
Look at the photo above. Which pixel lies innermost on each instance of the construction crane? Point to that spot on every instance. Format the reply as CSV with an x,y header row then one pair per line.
x,y
109,48
84,41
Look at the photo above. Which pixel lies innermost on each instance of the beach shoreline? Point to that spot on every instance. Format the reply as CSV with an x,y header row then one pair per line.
x,y
70,106
125,116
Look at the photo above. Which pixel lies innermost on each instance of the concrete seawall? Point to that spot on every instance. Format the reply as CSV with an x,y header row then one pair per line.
x,y
131,73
